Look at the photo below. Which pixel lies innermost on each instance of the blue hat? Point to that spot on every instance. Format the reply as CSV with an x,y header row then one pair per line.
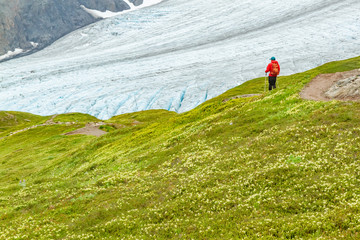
x,y
272,58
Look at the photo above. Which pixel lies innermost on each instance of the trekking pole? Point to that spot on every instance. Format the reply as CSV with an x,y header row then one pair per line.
x,y
265,82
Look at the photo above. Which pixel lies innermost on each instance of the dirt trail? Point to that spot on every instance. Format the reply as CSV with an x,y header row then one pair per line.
x,y
89,129
340,86
51,120
241,96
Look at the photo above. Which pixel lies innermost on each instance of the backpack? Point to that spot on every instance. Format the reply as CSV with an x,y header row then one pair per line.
x,y
274,69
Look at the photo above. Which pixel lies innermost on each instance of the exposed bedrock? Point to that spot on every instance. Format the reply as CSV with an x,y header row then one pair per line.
x,y
34,24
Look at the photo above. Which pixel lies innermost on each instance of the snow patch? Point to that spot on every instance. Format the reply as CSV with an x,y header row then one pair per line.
x,y
17,51
11,53
99,14
131,5
34,44
109,14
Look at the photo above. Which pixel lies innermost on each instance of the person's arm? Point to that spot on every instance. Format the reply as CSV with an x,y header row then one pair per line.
x,y
268,68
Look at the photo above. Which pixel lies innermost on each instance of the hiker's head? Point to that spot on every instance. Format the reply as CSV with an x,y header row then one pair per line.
x,y
272,58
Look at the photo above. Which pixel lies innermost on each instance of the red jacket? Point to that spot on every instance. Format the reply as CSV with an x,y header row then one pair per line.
x,y
269,68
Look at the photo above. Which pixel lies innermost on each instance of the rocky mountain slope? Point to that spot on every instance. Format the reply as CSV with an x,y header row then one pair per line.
x,y
34,24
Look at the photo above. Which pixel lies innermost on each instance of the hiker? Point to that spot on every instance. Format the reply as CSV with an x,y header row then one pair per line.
x,y
274,69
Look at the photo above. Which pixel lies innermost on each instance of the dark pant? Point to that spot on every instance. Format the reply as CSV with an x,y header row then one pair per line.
x,y
272,83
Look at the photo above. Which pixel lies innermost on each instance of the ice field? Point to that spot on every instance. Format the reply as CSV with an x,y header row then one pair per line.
x,y
177,54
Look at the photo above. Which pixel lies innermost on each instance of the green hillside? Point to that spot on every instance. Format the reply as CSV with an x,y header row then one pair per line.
x,y
271,166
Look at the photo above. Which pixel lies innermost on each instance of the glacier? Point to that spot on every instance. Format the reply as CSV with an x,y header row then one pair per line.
x,y
177,54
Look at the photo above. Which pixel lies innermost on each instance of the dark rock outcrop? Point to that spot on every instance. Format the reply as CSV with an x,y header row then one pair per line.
x,y
24,22
137,2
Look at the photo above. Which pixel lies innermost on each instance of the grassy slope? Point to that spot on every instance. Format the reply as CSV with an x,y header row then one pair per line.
x,y
272,166
12,121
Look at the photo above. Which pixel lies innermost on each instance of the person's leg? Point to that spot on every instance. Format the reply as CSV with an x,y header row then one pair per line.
x,y
270,86
272,81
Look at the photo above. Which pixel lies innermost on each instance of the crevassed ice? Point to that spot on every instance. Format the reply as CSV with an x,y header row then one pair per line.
x,y
177,54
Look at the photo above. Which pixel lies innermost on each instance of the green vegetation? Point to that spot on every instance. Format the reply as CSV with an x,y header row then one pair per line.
x,y
75,117
12,121
272,166
143,117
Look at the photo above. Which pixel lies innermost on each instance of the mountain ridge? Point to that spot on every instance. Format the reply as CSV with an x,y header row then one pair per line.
x,y
31,25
